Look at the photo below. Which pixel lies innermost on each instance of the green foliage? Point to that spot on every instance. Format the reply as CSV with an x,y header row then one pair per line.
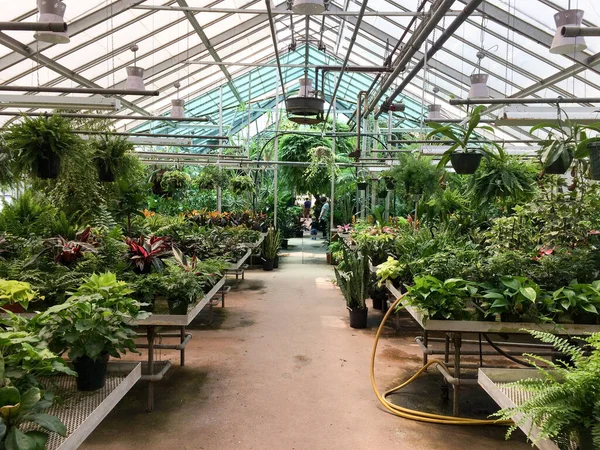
x,y
390,270
16,292
175,182
296,147
33,141
242,183
110,153
415,175
514,298
271,244
563,398
95,320
439,300
211,177
27,214
353,279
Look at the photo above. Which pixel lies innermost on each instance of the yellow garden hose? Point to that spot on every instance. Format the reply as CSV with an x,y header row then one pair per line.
x,y
411,413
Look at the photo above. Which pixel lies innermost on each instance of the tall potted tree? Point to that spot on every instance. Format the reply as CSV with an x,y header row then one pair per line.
x,y
463,154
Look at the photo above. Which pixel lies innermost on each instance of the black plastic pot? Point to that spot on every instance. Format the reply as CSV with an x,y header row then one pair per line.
x,y
91,374
284,244
177,307
276,262
594,148
105,175
390,185
559,166
267,265
586,439
362,186
382,194
377,302
48,168
358,318
465,163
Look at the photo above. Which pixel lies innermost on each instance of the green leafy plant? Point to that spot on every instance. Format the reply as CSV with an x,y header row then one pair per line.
x,y
579,302
68,251
174,182
564,400
353,279
271,244
110,155
391,270
96,320
441,300
17,292
241,183
322,163
512,300
39,145
461,137
211,177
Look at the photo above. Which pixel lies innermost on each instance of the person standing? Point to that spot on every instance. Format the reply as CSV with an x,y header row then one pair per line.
x,y
324,216
307,205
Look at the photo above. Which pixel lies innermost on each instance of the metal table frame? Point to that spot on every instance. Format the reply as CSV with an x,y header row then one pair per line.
x,y
454,330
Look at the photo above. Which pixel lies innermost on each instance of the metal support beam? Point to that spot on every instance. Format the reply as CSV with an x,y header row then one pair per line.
x,y
521,101
198,28
107,116
275,46
68,90
57,27
151,135
28,52
572,31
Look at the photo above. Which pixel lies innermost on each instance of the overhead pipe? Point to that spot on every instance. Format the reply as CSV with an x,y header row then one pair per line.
x,y
575,31
359,19
476,141
388,61
56,27
68,90
157,135
358,125
106,116
363,69
412,46
437,45
521,101
275,44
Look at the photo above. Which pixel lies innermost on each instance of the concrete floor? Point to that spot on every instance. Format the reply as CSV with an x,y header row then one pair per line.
x,y
281,369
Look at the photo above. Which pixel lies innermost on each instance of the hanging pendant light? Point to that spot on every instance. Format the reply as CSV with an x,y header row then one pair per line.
x,y
479,87
434,112
178,105
51,11
135,75
308,7
565,45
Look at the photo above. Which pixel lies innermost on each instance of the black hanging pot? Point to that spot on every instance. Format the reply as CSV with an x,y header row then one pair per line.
x,y
390,185
91,374
358,317
594,149
560,166
362,185
48,166
465,163
382,194
105,174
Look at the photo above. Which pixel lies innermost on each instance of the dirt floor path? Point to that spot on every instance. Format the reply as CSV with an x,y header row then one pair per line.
x,y
281,369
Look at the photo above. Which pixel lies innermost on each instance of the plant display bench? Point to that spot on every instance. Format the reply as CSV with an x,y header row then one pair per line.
x,y
496,383
82,412
238,268
454,331
175,327
257,243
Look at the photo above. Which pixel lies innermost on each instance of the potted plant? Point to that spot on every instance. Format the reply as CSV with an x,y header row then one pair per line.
x,y
392,270
353,279
465,157
93,324
15,296
441,299
270,248
39,145
362,184
68,251
148,252
181,288
211,177
174,182
156,181
109,156
241,183
513,300
568,141
563,399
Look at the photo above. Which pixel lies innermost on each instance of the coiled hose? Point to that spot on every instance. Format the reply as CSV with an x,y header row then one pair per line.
x,y
411,413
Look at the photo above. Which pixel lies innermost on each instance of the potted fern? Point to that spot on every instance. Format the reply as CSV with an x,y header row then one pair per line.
x,y
109,156
353,279
464,156
38,146
211,177
564,400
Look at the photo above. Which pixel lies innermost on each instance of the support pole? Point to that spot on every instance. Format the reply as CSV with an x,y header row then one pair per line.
x,y
276,154
219,190
333,150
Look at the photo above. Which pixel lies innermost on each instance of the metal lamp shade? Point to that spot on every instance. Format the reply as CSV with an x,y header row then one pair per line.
x,y
51,11
135,78
564,45
178,108
306,89
434,112
308,7
479,87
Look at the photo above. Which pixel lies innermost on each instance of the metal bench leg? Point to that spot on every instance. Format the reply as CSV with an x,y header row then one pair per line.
x,y
426,343
222,299
455,394
182,351
150,336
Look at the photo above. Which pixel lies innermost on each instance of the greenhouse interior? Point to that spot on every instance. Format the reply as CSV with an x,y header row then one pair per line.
x,y
300,224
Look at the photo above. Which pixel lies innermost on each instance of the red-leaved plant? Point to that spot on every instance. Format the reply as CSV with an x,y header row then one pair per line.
x,y
147,252
66,251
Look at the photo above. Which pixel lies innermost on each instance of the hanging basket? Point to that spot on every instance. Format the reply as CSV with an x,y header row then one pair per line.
x,y
382,194
465,163
560,166
48,168
362,185
594,149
